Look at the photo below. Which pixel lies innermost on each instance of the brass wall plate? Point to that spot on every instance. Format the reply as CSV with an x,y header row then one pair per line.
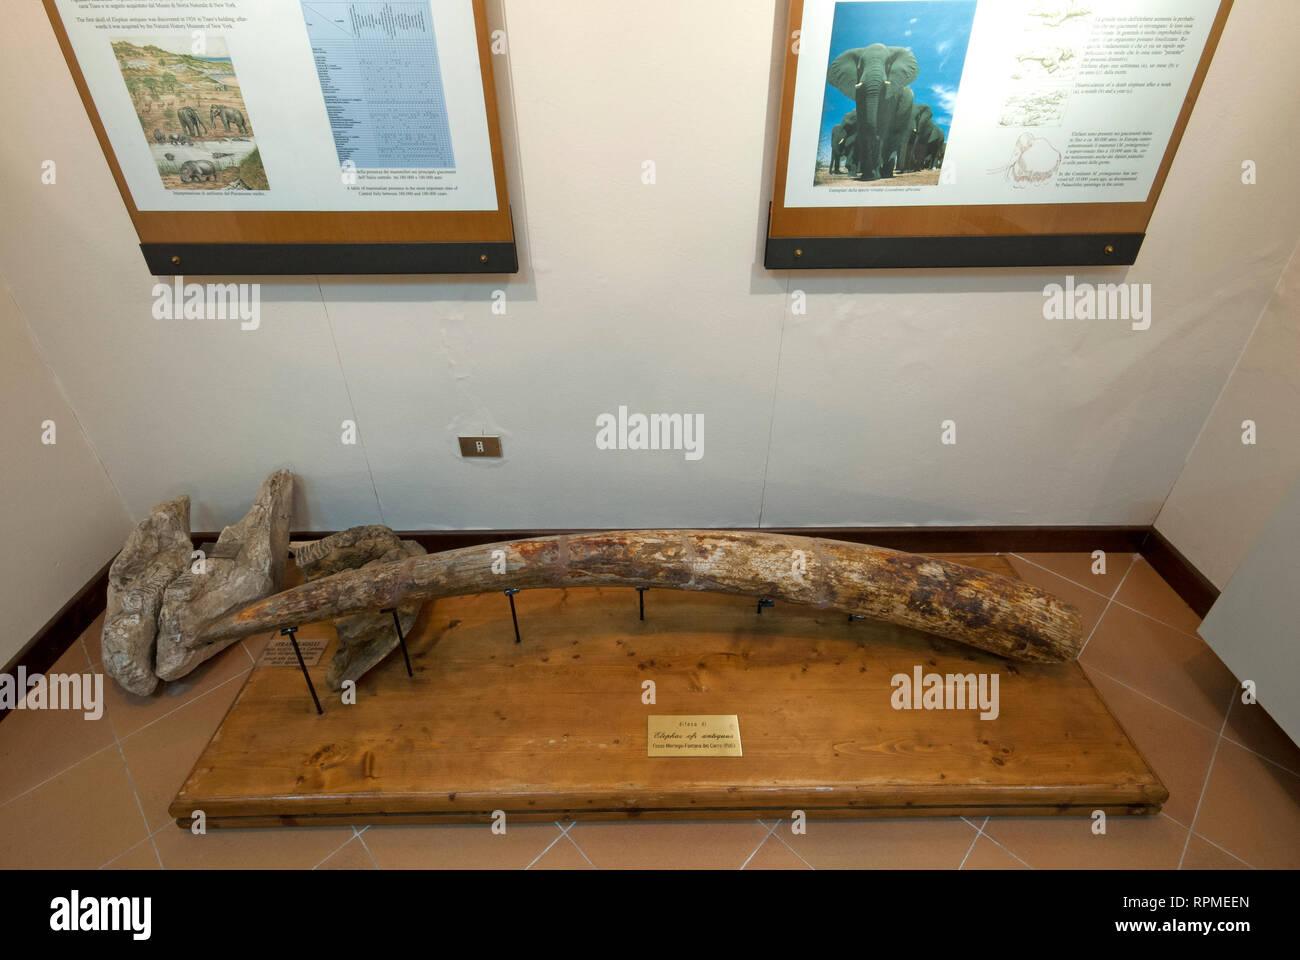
x,y
480,446
695,735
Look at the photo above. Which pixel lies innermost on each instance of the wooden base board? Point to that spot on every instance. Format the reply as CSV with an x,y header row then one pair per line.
x,y
554,728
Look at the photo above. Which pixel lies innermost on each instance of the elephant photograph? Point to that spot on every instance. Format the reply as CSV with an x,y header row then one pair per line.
x,y
891,86
192,113
844,137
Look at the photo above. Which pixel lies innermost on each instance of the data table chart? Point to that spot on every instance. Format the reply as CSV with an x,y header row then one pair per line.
x,y
382,83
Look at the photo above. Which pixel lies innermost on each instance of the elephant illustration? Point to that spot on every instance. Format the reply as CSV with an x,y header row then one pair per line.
x,y
191,123
844,139
1050,59
196,171
228,116
1034,161
874,77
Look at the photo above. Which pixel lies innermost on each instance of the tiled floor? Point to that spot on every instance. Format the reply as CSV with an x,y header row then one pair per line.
x,y
78,793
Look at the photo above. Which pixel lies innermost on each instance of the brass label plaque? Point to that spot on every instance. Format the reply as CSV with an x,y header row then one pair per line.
x,y
279,652
700,735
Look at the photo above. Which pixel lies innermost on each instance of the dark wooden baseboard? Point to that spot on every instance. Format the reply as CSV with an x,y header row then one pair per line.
x,y
1197,592
62,630
1177,571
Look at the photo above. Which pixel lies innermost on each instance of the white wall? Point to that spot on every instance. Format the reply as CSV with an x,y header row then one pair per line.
x,y
1228,490
1252,625
62,518
655,296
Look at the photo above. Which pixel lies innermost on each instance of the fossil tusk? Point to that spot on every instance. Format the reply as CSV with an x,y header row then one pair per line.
x,y
985,610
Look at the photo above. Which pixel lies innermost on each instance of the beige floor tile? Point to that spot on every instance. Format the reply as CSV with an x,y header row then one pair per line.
x,y
38,744
884,844
563,855
90,640
1252,809
140,857
987,855
459,846
256,644
1178,749
1250,726
1176,669
1090,604
1144,590
1056,843
775,855
72,660
1203,855
161,755
293,848
669,845
129,713
82,818
353,856
1078,567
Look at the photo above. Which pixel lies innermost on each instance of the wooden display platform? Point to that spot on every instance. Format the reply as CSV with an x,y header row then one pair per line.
x,y
554,728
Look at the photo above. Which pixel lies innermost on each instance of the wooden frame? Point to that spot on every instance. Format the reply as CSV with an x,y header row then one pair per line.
x,y
302,240
936,236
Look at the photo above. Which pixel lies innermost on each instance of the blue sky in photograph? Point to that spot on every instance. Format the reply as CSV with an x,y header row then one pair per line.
x,y
937,31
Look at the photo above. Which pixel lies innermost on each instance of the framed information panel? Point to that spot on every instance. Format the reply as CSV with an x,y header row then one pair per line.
x,y
942,133
298,136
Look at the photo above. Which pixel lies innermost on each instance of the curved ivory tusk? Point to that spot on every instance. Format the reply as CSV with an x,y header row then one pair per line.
x,y
988,611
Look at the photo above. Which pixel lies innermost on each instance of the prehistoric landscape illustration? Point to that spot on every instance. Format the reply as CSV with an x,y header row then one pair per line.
x,y
191,113
891,86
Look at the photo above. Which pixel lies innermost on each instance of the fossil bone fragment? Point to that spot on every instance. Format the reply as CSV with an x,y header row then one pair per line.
x,y
246,565
988,611
364,638
155,553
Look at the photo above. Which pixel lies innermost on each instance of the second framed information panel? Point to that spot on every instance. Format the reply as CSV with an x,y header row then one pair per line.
x,y
932,133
